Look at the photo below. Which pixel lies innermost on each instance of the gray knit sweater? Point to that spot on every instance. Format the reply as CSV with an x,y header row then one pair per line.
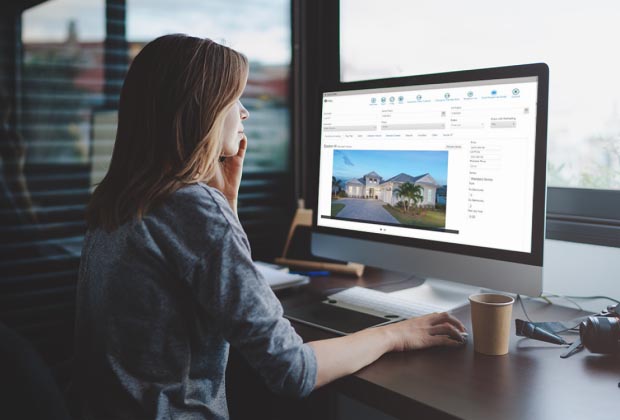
x,y
159,302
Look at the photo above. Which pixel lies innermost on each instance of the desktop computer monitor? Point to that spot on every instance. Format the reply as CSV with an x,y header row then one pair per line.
x,y
441,176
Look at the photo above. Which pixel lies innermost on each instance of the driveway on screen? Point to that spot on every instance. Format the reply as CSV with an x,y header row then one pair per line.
x,y
365,210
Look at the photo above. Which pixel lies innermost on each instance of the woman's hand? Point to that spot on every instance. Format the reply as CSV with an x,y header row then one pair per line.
x,y
337,357
228,175
438,329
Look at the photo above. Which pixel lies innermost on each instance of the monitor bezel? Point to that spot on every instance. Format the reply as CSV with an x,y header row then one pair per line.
x,y
539,70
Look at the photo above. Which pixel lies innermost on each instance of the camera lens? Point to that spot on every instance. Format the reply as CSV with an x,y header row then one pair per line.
x,y
600,334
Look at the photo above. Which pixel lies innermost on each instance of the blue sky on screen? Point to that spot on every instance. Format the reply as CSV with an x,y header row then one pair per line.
x,y
388,163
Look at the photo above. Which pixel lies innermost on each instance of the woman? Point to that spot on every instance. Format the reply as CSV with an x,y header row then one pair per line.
x,y
166,280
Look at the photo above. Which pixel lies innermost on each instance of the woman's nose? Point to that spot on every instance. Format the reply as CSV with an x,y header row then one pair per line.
x,y
244,112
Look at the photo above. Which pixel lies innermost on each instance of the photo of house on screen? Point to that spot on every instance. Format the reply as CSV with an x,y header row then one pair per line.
x,y
372,185
405,188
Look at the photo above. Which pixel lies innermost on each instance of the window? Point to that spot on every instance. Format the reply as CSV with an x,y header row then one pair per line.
x,y
69,65
584,108
73,73
258,28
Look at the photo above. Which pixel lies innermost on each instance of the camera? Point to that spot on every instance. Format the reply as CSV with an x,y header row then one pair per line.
x,y
601,334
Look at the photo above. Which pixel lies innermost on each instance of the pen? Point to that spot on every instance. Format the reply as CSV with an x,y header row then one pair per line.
x,y
319,273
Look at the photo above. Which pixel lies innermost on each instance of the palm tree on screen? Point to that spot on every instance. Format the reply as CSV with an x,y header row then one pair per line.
x,y
417,195
403,192
336,185
412,194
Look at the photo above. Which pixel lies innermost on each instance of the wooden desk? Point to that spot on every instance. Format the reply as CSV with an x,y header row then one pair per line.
x,y
531,382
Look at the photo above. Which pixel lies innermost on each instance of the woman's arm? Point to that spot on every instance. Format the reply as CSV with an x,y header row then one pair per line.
x,y
338,357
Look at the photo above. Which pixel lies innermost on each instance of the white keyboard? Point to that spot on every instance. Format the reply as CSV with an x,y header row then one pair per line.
x,y
380,303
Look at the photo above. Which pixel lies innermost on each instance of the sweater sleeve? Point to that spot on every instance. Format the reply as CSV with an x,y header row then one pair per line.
x,y
249,316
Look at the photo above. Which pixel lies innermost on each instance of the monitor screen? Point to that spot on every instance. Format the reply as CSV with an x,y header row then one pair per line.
x,y
442,165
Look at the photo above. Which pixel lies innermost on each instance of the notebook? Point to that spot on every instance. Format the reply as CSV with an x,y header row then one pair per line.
x,y
279,278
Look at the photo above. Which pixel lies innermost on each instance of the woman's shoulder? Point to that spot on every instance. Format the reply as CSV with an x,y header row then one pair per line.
x,y
197,206
187,223
199,193
205,197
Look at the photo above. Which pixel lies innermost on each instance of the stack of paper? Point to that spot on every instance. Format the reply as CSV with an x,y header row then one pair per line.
x,y
279,278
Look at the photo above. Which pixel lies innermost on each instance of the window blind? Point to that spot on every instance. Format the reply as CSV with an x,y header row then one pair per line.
x,y
63,97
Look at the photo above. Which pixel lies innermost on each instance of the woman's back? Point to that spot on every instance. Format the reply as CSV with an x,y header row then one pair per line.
x,y
158,302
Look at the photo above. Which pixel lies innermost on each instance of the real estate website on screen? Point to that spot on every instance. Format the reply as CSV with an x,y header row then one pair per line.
x,y
451,162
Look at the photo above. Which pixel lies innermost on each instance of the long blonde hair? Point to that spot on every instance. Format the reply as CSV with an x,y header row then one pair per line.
x,y
171,113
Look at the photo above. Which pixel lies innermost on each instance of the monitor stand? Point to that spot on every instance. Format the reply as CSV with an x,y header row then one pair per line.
x,y
444,294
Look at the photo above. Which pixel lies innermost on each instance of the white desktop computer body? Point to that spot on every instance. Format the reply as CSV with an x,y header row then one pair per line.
x,y
441,176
